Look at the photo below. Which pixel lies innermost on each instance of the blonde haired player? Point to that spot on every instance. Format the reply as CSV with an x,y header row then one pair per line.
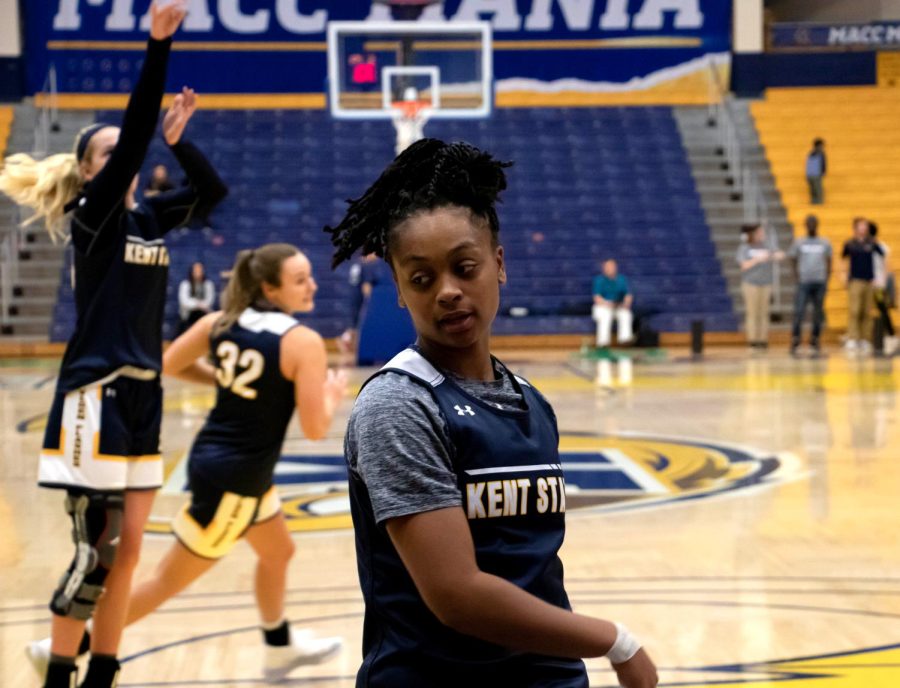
x,y
102,439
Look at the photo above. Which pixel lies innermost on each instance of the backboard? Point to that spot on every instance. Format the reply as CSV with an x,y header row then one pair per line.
x,y
372,64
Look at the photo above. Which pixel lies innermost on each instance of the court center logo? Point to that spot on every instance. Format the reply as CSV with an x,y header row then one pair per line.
x,y
603,474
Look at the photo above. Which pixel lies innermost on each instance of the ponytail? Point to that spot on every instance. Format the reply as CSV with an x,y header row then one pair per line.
x,y
45,186
251,269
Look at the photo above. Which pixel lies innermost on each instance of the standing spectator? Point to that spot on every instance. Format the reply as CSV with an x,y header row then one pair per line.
x,y
757,258
859,265
612,296
811,260
159,181
883,289
815,170
365,273
196,296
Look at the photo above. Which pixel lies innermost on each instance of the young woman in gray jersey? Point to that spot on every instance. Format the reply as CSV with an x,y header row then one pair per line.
x,y
457,495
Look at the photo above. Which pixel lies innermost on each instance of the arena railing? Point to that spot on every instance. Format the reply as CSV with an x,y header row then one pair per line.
x,y
9,274
746,183
47,118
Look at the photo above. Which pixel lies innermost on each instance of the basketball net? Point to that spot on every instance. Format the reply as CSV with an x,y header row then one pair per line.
x,y
410,109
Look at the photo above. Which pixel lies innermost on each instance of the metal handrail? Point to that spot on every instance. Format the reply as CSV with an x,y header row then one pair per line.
x,y
9,273
47,119
722,119
745,181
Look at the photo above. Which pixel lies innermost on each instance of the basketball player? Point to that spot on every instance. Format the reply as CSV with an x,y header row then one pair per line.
x,y
102,439
265,364
457,495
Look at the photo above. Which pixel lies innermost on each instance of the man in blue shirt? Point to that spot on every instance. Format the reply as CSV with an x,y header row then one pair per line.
x,y
612,296
815,170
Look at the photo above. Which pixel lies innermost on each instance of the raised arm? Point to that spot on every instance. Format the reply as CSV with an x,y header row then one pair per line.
x,y
317,389
437,549
107,190
205,188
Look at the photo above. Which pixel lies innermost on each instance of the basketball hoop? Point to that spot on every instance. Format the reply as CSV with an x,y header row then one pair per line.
x,y
410,109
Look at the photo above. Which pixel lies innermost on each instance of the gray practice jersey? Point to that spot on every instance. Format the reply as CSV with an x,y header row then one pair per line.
x,y
813,256
761,274
396,422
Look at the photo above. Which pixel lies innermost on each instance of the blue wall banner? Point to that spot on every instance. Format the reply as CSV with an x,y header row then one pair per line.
x,y
873,36
278,46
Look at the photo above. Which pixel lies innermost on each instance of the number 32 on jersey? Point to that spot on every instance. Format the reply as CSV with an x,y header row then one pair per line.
x,y
231,358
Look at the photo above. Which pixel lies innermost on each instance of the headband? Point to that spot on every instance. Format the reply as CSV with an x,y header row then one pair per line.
x,y
84,138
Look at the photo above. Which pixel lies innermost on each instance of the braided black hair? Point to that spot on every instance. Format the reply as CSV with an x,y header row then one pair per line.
x,y
429,174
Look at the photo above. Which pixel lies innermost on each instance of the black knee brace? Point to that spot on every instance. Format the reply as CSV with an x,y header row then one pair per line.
x,y
96,526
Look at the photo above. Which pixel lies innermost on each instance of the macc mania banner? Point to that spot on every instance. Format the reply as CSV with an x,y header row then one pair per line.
x,y
278,46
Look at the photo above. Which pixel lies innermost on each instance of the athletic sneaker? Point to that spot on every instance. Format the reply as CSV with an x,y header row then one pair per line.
x,y
304,648
38,652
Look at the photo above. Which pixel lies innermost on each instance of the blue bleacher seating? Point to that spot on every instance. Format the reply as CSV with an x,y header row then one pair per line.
x,y
587,184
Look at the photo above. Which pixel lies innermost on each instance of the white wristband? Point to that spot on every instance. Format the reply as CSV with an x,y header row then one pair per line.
x,y
625,647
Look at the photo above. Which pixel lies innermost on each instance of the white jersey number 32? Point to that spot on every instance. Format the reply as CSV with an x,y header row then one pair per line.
x,y
231,358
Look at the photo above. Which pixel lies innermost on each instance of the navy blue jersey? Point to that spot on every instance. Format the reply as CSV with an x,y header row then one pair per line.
x,y
513,491
121,262
240,443
120,297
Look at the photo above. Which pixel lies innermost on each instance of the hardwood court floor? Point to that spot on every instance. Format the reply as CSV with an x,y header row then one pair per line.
x,y
740,514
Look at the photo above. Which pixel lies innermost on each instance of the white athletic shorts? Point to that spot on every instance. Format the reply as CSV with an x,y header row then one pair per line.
x,y
104,437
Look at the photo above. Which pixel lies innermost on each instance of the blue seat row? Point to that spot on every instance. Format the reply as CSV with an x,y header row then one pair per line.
x,y
587,184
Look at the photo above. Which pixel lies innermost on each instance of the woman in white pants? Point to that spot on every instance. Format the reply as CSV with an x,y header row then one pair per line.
x,y
612,298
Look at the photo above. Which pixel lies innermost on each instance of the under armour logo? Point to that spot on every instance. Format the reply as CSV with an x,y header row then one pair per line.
x,y
463,411
110,392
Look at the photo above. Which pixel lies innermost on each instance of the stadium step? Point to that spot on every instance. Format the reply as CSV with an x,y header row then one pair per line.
x,y
723,203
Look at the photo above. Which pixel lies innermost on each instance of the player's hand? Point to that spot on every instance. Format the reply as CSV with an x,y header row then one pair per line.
x,y
178,115
637,672
335,388
165,18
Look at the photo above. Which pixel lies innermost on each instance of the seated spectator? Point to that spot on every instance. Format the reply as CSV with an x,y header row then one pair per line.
x,y
196,296
159,181
612,297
